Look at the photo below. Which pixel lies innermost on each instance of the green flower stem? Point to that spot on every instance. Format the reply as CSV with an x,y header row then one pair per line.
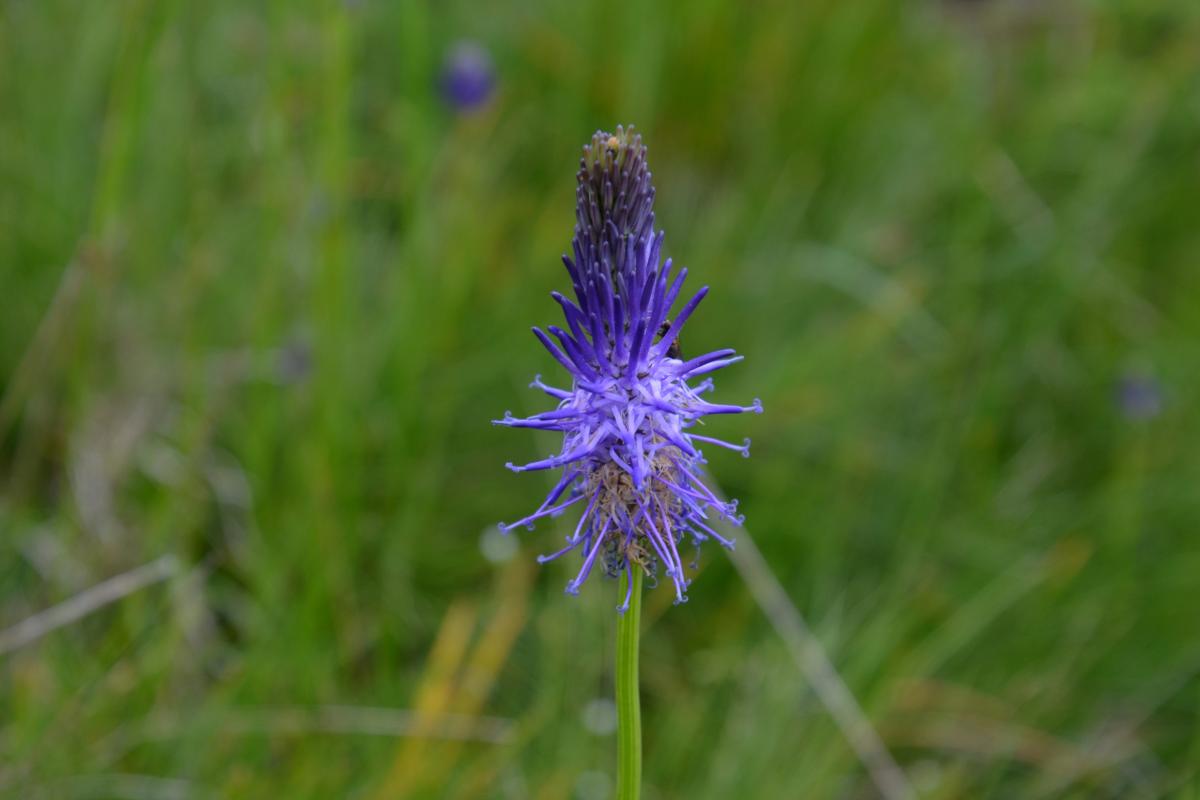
x,y
629,711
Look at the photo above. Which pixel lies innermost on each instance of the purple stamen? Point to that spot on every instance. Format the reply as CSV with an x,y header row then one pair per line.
x,y
553,511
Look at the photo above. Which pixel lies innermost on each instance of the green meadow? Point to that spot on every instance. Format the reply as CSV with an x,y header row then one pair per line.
x,y
264,287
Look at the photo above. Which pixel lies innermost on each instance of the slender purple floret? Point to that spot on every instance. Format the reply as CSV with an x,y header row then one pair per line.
x,y
628,458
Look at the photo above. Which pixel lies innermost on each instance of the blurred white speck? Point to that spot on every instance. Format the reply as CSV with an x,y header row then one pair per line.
x,y
496,546
600,716
512,785
926,775
164,463
593,785
53,559
229,484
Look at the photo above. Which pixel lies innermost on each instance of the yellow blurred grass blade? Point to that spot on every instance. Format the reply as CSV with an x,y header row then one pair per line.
x,y
434,693
452,684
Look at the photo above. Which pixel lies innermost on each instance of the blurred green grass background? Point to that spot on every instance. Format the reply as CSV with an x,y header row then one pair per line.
x,y
264,288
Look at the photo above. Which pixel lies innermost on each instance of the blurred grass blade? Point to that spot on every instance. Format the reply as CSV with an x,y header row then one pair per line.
x,y
815,665
87,602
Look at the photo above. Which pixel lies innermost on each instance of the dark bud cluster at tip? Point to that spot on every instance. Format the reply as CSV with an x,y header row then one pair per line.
x,y
614,201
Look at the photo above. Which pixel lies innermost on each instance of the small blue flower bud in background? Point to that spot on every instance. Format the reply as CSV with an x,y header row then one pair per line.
x,y
468,76
1139,397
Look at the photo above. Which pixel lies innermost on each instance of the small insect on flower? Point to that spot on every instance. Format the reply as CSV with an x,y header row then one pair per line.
x,y
673,349
629,457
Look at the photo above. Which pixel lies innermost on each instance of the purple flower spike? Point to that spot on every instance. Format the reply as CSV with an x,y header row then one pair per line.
x,y
468,76
633,398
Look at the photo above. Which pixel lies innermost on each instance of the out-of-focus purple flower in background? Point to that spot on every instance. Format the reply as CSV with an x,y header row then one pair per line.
x,y
468,76
294,361
1138,396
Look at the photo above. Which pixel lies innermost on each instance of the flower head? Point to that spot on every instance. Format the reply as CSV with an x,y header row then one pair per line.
x,y
628,458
